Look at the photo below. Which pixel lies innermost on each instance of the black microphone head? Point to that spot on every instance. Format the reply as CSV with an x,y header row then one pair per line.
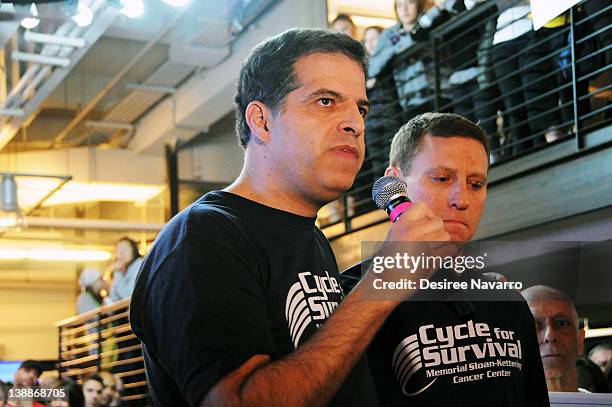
x,y
385,188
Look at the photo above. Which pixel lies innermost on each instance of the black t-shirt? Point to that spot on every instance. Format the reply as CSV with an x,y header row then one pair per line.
x,y
226,279
459,348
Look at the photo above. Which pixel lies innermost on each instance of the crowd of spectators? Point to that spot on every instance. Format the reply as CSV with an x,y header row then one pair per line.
x,y
492,67
101,389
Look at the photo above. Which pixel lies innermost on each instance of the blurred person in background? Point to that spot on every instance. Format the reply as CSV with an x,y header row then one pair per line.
x,y
27,374
524,67
371,35
74,392
3,395
91,284
601,355
125,269
90,298
343,23
92,390
466,52
113,386
49,378
590,377
412,71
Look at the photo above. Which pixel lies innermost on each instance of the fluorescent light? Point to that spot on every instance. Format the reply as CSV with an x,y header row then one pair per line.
x,y
176,3
30,190
84,16
133,8
31,22
54,254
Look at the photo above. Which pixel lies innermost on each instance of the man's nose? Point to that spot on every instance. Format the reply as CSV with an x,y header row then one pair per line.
x,y
550,335
352,122
460,198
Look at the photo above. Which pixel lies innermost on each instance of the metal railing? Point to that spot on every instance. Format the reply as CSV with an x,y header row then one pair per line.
x,y
531,92
102,339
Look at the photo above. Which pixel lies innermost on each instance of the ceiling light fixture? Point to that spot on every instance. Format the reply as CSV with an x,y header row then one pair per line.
x,y
83,16
31,22
132,8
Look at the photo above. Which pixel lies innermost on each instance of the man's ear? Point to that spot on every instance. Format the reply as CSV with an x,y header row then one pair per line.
x,y
581,342
393,171
257,116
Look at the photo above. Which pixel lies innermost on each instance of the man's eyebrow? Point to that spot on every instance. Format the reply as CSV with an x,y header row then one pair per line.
x,y
474,174
329,92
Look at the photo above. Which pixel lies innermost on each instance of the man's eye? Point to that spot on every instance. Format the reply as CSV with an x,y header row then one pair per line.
x,y
477,185
440,179
363,111
562,323
325,101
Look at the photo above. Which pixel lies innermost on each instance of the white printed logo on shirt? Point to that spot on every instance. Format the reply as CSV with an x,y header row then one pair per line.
x,y
311,299
464,353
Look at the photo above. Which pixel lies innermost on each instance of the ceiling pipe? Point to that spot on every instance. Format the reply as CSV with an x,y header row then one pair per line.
x,y
33,69
118,77
31,36
34,77
40,59
12,112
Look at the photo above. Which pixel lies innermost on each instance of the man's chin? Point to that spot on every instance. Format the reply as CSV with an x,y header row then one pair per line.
x,y
553,371
459,236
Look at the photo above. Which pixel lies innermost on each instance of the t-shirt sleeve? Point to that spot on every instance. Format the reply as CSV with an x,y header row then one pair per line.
x,y
208,312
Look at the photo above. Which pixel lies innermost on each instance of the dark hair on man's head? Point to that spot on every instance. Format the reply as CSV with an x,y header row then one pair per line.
x,y
343,17
407,140
32,365
268,74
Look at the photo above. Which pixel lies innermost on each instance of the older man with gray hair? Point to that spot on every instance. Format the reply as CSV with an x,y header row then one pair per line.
x,y
560,338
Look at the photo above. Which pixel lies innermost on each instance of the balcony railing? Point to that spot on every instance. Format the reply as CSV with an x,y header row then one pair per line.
x,y
102,339
562,94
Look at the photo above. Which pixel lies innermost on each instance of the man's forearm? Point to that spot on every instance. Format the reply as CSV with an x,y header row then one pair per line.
x,y
313,373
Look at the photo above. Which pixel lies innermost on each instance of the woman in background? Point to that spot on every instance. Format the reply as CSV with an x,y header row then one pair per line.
x,y
125,269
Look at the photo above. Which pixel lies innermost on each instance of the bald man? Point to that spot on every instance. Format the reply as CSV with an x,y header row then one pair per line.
x,y
559,336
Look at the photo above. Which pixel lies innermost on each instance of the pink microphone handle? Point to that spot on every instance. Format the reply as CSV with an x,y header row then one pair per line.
x,y
397,211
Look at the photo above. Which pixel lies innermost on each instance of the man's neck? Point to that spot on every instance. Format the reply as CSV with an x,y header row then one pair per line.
x,y
267,192
567,383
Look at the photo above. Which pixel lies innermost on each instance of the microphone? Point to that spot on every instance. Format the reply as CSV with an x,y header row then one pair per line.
x,y
389,193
